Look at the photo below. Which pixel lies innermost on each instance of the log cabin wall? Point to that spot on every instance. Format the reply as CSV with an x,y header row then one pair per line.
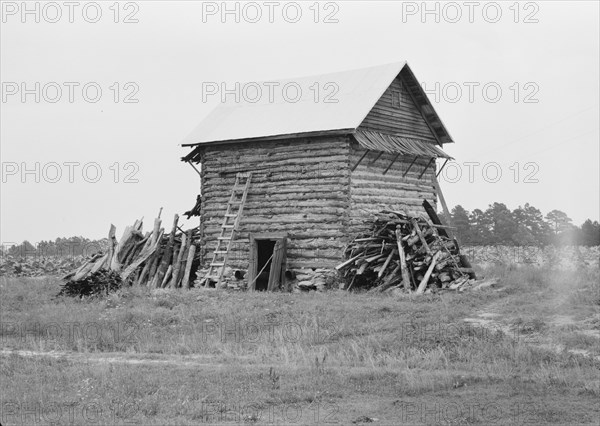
x,y
372,191
299,187
395,113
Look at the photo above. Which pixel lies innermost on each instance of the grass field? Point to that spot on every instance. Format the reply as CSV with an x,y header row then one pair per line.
x,y
525,352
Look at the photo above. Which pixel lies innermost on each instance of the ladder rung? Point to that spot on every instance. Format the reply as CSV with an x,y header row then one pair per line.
x,y
235,204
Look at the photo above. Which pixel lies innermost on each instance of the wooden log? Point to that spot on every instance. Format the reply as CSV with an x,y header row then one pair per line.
x,y
115,264
374,258
166,258
417,228
133,247
144,272
146,252
167,276
362,268
411,240
86,268
425,279
99,264
447,216
112,242
156,229
155,262
188,267
152,262
347,262
385,264
188,242
436,220
402,255
179,259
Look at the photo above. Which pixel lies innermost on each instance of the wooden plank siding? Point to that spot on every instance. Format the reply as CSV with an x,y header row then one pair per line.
x,y
395,113
372,191
299,187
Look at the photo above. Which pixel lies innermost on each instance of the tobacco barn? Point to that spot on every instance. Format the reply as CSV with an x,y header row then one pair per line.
x,y
287,181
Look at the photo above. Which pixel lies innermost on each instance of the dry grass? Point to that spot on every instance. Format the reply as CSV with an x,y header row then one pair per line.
x,y
334,357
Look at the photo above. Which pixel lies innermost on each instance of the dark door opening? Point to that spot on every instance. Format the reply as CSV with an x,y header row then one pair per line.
x,y
267,261
264,260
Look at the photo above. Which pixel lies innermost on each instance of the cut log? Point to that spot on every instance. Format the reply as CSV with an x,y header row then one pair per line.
x,y
188,266
425,279
403,265
348,262
178,261
164,263
420,235
167,276
385,265
142,257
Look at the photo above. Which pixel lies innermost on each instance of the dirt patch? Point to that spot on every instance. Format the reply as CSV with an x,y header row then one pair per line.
x,y
491,321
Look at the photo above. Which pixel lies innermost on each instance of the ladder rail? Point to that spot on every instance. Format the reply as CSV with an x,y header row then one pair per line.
x,y
217,267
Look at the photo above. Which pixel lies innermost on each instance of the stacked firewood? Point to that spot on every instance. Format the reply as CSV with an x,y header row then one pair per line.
x,y
152,259
98,283
405,252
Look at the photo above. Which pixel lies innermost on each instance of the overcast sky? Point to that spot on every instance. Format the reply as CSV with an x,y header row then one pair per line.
x,y
542,129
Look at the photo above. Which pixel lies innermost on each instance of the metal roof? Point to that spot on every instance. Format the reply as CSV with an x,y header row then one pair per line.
x,y
322,103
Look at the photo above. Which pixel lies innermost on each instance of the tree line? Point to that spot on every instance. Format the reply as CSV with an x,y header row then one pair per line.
x,y
523,226
497,225
63,247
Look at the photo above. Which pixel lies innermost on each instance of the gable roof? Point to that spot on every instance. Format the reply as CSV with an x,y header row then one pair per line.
x,y
315,110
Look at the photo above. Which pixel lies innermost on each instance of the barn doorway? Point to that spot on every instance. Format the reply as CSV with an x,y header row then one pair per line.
x,y
267,261
264,261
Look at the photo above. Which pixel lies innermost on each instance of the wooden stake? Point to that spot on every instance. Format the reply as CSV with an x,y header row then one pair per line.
x,y
177,265
188,266
164,263
167,276
112,241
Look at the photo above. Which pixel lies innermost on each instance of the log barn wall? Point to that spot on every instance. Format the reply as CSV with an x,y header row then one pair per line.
x,y
299,187
372,191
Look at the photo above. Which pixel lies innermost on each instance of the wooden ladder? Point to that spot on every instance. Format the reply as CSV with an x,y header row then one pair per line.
x,y
235,207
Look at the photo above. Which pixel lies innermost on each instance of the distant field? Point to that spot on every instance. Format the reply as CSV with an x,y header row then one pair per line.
x,y
525,352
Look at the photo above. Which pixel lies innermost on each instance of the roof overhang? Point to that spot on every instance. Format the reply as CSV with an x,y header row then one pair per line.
x,y
375,141
194,155
370,140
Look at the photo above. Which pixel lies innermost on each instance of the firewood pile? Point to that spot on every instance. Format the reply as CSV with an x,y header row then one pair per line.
x,y
37,266
410,253
97,283
153,259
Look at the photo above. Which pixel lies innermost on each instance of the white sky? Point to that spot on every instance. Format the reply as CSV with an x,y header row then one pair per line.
x,y
170,52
